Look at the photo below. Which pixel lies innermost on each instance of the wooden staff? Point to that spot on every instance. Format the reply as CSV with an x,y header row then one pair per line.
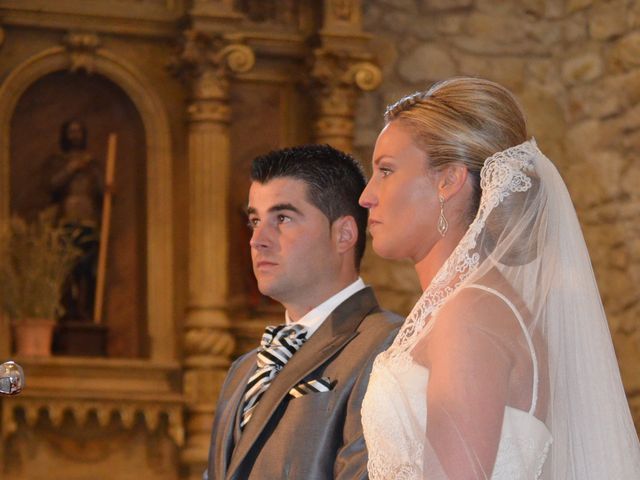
x,y
106,226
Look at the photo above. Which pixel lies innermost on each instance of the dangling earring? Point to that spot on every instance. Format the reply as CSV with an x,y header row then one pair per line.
x,y
443,225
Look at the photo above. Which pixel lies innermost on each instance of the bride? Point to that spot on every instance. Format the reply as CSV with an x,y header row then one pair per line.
x,y
505,368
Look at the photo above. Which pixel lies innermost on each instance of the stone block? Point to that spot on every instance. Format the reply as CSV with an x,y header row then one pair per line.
x,y
508,71
575,28
545,117
628,351
575,5
449,24
427,62
608,20
620,290
396,21
634,15
584,194
626,52
630,186
627,86
594,101
507,35
583,138
542,70
584,67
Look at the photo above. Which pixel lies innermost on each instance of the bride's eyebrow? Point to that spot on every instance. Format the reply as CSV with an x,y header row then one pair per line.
x,y
376,161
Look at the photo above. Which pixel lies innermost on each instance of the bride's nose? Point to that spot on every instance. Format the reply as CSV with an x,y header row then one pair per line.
x,y
368,198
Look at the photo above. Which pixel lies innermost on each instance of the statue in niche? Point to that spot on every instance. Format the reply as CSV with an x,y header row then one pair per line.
x,y
76,188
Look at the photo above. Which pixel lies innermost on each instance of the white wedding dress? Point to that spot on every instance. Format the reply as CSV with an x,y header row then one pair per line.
x,y
395,431
524,264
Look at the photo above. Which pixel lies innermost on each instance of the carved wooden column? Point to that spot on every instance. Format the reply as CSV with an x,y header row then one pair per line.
x,y
338,80
341,69
209,61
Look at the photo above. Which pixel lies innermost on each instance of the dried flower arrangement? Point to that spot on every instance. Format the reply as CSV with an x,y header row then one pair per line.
x,y
35,259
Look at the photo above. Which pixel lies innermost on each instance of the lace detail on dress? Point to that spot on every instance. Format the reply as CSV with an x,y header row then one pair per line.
x,y
394,438
394,427
502,174
524,447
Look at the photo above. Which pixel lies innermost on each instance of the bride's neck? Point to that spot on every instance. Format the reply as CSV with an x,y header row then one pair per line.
x,y
428,266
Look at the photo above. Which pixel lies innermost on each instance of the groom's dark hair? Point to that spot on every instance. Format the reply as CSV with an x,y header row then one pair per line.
x,y
334,179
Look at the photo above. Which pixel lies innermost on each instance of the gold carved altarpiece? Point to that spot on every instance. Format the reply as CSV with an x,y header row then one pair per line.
x,y
213,83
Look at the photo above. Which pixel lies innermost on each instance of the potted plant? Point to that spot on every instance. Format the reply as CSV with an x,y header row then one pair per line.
x,y
35,259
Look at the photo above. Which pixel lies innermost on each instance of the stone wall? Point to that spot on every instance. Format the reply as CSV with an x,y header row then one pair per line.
x,y
575,66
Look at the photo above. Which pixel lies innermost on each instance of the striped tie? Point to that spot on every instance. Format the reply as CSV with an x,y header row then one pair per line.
x,y
276,348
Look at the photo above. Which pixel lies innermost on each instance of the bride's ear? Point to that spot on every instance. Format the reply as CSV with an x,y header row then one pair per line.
x,y
451,180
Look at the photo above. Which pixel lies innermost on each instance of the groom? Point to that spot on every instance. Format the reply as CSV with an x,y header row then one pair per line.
x,y
291,408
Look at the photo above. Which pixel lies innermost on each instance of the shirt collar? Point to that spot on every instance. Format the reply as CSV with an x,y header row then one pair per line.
x,y
314,318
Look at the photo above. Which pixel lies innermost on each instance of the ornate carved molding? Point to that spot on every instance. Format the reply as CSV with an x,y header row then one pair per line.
x,y
339,76
150,18
204,347
334,69
207,62
201,52
105,411
82,48
109,390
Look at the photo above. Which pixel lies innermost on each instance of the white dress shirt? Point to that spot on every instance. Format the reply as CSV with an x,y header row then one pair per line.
x,y
314,318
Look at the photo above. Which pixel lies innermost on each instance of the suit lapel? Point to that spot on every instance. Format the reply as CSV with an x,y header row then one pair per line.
x,y
230,422
335,332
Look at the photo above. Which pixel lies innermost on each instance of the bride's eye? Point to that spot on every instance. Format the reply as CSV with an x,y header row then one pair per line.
x,y
385,171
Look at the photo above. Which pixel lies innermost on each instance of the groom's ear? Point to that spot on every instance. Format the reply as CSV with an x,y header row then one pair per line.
x,y
344,232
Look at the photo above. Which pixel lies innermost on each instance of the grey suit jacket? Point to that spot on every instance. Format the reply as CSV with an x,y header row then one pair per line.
x,y
316,436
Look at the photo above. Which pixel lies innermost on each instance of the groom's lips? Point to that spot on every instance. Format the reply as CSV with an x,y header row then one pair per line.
x,y
264,264
373,223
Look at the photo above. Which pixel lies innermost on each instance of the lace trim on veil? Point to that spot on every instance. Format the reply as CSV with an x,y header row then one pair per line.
x,y
502,174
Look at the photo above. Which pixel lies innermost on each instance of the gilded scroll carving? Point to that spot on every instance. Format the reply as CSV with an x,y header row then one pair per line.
x,y
200,51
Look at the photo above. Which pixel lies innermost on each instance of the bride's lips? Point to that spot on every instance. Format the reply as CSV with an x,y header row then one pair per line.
x,y
373,223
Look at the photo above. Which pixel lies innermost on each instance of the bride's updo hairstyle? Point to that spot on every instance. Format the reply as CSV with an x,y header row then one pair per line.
x,y
462,120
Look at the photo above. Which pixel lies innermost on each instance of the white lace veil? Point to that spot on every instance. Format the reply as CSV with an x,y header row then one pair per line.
x,y
522,266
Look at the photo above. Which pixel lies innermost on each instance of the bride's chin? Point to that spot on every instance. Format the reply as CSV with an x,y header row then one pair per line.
x,y
385,250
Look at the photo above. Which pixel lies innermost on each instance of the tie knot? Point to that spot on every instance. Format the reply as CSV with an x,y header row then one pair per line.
x,y
289,334
279,343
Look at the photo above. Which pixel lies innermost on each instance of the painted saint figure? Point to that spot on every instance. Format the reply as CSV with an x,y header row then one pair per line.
x,y
76,189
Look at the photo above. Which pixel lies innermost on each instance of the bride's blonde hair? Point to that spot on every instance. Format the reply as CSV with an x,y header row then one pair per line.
x,y
462,120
